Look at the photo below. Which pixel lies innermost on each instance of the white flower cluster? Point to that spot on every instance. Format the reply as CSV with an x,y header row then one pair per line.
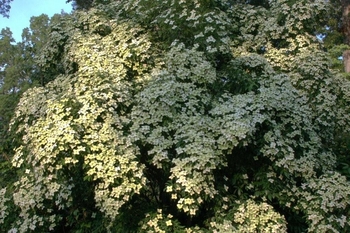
x,y
3,206
252,217
333,193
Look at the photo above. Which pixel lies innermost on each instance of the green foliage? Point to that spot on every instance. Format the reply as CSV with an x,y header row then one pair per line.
x,y
182,116
51,56
20,71
336,53
5,7
13,79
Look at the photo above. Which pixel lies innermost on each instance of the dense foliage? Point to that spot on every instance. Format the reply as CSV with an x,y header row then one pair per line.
x,y
20,69
182,116
5,6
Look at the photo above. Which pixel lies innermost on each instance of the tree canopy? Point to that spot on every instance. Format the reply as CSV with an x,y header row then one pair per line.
x,y
5,6
20,69
182,116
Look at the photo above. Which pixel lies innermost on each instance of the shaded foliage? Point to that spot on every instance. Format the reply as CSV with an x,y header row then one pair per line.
x,y
5,6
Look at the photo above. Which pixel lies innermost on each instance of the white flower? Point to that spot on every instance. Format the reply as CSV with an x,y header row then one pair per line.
x,y
211,50
209,19
199,35
210,39
169,223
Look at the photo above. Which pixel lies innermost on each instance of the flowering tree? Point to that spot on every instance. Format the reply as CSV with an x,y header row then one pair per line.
x,y
183,116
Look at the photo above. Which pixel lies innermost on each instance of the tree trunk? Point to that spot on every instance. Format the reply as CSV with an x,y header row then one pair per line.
x,y
346,61
346,20
346,32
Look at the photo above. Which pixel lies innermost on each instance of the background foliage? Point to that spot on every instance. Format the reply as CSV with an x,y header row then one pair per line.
x,y
178,116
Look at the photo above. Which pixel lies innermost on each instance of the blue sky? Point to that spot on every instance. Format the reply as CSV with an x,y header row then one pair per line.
x,y
22,10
